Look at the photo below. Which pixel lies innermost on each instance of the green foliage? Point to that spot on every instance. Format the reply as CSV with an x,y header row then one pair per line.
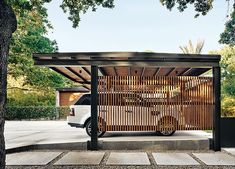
x,y
228,80
38,87
228,36
201,6
227,62
28,39
76,7
228,106
31,112
19,97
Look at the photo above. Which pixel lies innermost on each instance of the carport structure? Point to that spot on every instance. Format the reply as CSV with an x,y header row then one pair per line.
x,y
169,81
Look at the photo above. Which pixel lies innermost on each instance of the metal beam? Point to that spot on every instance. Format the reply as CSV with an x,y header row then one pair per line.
x,y
76,73
94,105
198,72
111,55
157,71
102,71
172,69
69,77
217,109
115,70
185,72
85,86
143,70
200,63
62,73
75,89
86,70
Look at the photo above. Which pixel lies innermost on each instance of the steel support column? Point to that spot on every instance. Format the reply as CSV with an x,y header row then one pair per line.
x,y
217,109
94,104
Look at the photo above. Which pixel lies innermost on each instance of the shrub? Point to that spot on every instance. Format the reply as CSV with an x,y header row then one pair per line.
x,y
36,112
228,107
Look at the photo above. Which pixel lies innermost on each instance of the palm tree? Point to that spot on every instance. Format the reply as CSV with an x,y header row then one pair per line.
x,y
190,49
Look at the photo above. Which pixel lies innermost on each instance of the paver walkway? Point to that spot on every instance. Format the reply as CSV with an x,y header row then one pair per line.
x,y
120,159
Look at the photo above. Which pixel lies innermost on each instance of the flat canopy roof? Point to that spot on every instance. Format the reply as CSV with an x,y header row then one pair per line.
x,y
76,66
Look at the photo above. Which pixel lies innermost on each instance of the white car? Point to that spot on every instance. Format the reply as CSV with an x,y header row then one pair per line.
x,y
80,116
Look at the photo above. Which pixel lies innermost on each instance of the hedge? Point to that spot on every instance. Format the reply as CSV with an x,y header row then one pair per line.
x,y
36,113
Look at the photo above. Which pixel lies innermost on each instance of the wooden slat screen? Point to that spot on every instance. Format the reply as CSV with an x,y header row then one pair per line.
x,y
137,103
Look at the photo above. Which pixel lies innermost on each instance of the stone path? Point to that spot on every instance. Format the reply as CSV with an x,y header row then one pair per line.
x,y
89,158
136,158
174,159
81,158
31,158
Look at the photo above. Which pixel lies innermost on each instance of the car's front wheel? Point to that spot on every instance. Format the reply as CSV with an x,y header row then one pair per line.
x,y
165,133
167,125
88,130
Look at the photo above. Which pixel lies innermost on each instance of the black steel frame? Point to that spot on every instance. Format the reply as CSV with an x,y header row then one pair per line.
x,y
217,109
94,111
142,59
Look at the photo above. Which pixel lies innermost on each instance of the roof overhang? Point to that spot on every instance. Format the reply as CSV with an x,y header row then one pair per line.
x,y
102,59
76,66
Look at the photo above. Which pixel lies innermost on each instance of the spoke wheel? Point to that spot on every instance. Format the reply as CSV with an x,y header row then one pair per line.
x,y
167,126
88,130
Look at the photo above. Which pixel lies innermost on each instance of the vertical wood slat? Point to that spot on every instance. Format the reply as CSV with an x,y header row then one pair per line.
x,y
188,99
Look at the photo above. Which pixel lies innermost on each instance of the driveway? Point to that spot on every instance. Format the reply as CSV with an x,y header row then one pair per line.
x,y
24,133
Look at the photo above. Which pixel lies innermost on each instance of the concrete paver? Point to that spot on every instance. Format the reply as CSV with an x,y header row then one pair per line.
x,y
174,159
81,158
230,150
137,158
31,158
215,158
96,158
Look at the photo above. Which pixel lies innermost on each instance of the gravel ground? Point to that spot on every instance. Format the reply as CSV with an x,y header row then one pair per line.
x,y
107,153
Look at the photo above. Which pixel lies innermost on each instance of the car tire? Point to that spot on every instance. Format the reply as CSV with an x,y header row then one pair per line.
x,y
166,132
88,130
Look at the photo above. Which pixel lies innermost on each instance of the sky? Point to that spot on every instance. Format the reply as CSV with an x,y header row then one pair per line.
x,y
137,25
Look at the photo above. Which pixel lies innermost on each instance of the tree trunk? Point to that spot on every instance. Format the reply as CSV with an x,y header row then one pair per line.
x,y
7,27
